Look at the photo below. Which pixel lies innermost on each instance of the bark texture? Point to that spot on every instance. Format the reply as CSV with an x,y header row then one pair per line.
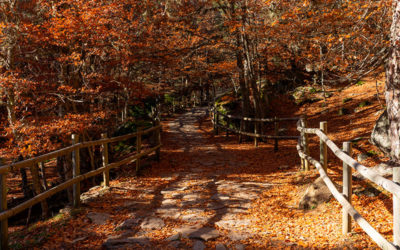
x,y
392,91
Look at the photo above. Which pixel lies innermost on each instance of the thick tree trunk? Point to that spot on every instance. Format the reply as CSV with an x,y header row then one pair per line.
x,y
392,91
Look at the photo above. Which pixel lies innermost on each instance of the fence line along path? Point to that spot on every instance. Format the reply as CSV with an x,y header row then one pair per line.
x,y
77,176
211,190
344,197
257,123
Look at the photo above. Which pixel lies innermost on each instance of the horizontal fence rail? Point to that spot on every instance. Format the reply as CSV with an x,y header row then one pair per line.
x,y
367,173
345,198
74,182
279,137
251,119
69,149
257,122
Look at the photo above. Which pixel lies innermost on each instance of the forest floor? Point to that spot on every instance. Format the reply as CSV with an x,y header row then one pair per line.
x,y
211,192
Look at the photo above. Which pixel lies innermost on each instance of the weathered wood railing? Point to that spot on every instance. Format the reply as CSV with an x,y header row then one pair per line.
x,y
276,137
77,177
344,198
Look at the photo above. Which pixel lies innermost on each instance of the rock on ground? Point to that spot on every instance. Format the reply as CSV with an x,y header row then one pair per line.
x,y
128,224
238,236
174,237
152,223
198,245
203,233
380,133
220,246
117,243
315,194
240,247
98,218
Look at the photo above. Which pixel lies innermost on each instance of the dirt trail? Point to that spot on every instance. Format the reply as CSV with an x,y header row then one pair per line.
x,y
207,192
207,205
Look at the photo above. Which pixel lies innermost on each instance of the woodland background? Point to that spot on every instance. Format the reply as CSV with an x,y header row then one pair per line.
x,y
90,66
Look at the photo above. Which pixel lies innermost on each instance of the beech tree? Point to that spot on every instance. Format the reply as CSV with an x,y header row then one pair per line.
x,y
392,90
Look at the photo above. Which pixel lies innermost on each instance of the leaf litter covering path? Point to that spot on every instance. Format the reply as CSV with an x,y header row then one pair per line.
x,y
207,192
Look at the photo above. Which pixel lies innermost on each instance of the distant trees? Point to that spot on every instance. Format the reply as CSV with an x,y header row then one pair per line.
x,y
77,66
266,46
333,41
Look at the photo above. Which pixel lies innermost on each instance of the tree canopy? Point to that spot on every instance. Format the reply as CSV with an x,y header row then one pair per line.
x,y
77,66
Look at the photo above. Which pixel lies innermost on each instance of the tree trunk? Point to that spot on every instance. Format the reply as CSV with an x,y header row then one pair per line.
x,y
246,105
10,61
38,190
392,90
11,109
24,183
91,152
65,172
43,176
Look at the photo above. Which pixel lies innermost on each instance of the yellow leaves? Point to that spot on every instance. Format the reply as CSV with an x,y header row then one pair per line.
x,y
75,58
306,3
302,243
2,26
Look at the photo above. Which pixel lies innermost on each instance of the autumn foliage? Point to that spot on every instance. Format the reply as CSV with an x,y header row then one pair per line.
x,y
76,66
85,67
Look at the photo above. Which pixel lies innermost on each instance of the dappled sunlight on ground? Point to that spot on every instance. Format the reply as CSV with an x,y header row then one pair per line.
x,y
239,194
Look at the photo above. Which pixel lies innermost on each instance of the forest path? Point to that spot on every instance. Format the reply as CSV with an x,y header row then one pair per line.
x,y
198,203
208,192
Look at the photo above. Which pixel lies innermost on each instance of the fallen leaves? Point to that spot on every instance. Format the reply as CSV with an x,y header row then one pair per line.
x,y
276,220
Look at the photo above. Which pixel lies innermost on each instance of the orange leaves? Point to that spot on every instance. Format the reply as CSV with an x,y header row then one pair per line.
x,y
66,89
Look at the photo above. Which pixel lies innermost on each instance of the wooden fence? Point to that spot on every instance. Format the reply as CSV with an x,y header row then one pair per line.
x,y
77,177
344,197
216,115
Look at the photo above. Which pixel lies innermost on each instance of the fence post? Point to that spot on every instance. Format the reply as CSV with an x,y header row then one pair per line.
x,y
396,209
76,189
158,141
138,147
347,190
302,134
306,147
276,123
3,207
106,173
323,155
